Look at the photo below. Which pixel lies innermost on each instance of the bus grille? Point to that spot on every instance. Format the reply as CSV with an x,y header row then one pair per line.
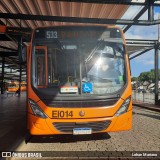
x,y
81,104
68,127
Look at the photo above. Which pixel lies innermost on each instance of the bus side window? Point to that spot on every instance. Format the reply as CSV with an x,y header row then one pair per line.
x,y
40,70
40,66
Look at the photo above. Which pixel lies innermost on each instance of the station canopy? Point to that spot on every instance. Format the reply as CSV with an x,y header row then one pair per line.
x,y
30,14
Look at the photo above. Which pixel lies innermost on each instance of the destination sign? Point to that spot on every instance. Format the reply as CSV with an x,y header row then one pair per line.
x,y
76,33
71,34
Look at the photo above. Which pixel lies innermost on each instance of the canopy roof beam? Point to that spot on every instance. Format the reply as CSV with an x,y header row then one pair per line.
x,y
77,19
140,53
7,54
144,9
7,48
120,2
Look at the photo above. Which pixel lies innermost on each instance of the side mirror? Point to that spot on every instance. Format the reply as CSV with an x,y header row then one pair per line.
x,y
22,50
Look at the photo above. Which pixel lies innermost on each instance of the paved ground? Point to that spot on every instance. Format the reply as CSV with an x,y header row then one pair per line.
x,y
145,135
153,107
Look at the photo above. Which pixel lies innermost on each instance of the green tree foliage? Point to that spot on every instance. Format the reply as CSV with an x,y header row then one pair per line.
x,y
146,76
134,79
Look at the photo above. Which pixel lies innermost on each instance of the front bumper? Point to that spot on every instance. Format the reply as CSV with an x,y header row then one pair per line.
x,y
39,126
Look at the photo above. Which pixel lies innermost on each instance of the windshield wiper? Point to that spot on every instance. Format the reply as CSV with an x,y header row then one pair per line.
x,y
93,51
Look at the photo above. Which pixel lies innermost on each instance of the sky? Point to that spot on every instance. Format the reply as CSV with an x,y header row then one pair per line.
x,y
145,62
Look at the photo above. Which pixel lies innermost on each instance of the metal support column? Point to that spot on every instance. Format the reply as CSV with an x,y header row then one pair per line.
x,y
150,10
156,73
2,80
156,65
20,79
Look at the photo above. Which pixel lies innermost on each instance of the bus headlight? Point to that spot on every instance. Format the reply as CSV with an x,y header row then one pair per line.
x,y
36,109
124,107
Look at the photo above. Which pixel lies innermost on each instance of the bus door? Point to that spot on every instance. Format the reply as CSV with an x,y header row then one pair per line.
x,y
41,69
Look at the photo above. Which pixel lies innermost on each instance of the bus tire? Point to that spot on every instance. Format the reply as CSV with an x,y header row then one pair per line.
x,y
27,137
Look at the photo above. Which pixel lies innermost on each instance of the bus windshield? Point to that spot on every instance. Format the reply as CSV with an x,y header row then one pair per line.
x,y
12,85
69,61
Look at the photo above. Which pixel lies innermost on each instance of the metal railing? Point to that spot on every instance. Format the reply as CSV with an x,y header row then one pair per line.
x,y
143,97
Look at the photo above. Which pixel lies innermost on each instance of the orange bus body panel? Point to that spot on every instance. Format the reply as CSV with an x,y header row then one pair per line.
x,y
12,89
2,29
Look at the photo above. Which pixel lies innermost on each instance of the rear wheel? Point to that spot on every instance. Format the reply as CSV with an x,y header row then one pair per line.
x,y
28,136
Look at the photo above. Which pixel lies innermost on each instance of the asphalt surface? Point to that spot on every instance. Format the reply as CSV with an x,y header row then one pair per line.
x,y
144,136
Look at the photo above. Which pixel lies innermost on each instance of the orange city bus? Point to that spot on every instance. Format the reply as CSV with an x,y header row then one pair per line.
x,y
14,86
23,86
78,81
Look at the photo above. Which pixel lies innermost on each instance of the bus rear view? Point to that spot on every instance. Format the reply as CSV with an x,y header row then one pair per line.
x,y
78,81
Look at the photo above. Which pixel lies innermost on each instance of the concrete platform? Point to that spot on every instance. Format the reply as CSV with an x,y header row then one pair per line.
x,y
144,135
152,107
12,121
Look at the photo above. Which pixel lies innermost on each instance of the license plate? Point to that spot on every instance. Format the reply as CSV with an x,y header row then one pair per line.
x,y
77,131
